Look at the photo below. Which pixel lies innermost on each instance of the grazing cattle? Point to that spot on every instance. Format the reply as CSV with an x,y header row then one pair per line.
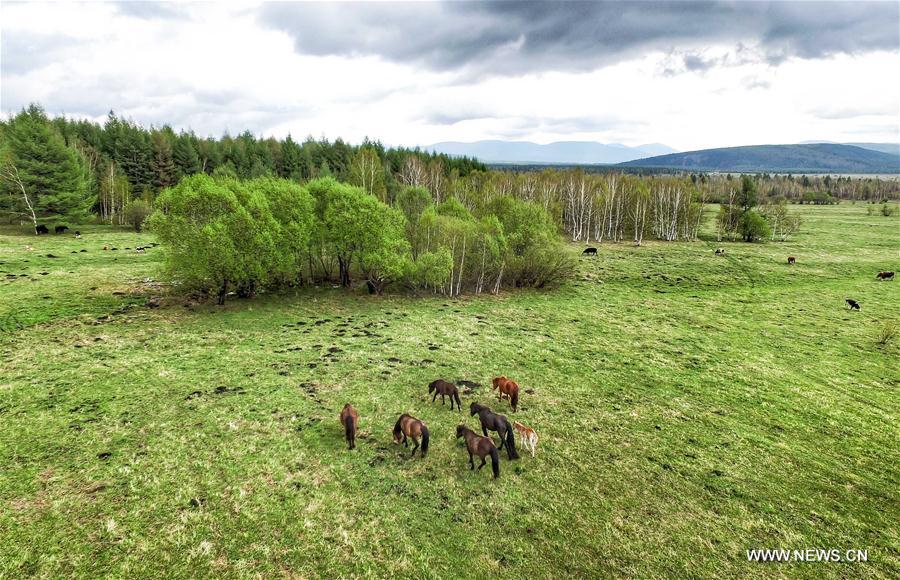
x,y
853,304
445,389
720,251
77,235
139,249
350,421
507,388
792,260
41,229
408,427
527,436
885,276
589,252
500,424
480,446
60,229
105,248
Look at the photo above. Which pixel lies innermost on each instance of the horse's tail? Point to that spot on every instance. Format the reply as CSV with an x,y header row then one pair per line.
x,y
458,402
349,429
425,437
495,462
514,398
511,442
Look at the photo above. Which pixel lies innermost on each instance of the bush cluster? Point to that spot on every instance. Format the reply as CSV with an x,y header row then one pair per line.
x,y
224,235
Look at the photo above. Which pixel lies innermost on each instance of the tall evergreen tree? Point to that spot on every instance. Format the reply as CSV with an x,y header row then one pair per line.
x,y
187,162
164,172
50,171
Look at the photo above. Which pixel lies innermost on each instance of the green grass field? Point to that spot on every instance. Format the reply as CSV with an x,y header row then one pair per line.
x,y
690,407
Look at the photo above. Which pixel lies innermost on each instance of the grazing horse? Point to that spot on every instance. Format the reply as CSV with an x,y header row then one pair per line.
x,y
792,260
350,421
500,424
853,304
527,436
509,388
480,446
884,276
409,427
445,389
60,229
589,252
41,229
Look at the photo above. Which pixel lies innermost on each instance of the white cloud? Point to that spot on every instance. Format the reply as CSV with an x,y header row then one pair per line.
x,y
216,67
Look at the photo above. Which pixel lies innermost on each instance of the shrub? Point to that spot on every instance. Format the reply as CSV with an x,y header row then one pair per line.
x,y
137,212
886,209
886,333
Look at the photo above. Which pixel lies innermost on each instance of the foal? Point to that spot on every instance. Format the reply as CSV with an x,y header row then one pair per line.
x,y
509,388
480,446
350,421
500,424
409,427
527,436
445,389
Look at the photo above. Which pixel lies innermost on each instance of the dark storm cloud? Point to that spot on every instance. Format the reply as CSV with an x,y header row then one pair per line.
x,y
515,37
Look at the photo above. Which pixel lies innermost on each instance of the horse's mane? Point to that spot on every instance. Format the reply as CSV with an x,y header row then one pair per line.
x,y
397,426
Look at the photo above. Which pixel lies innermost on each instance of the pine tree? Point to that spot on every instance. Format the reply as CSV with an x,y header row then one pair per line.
x,y
187,162
163,162
49,171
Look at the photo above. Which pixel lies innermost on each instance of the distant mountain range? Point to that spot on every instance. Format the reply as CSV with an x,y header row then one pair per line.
x,y
800,158
561,152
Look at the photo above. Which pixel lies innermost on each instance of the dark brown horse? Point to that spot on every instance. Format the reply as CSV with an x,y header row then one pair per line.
x,y
350,421
499,423
445,389
508,388
408,427
480,446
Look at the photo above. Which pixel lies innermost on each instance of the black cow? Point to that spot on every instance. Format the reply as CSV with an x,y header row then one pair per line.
x,y
41,229
589,252
885,276
853,304
60,229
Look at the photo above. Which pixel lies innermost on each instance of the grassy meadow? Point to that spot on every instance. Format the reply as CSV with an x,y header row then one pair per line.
x,y
689,406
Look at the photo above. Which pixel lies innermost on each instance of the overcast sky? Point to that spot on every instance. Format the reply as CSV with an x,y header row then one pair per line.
x,y
690,75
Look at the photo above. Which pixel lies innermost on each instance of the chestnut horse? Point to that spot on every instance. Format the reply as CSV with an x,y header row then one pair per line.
x,y
409,427
509,388
499,423
350,421
445,389
480,446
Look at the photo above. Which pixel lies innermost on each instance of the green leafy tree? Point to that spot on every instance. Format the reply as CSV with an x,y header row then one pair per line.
x,y
753,227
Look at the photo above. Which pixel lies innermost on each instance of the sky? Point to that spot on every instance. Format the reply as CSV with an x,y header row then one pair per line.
x,y
691,75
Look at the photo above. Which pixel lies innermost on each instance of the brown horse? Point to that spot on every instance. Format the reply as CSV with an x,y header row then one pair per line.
x,y
480,446
792,260
499,423
445,389
350,421
508,388
409,427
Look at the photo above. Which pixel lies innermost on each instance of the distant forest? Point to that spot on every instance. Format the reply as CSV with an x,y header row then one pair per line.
x,y
79,170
